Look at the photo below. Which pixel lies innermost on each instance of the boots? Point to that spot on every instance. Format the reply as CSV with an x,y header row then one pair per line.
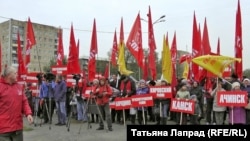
x,y
132,118
158,120
163,121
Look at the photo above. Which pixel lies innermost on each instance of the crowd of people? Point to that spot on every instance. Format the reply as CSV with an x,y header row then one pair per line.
x,y
54,95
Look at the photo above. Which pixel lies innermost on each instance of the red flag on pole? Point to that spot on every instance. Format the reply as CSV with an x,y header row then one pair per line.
x,y
30,41
21,67
152,46
106,72
205,40
114,51
78,47
73,66
93,52
134,42
195,49
238,42
60,51
0,57
145,70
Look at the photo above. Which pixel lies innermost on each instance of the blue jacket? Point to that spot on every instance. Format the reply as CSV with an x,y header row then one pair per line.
x,y
47,90
60,91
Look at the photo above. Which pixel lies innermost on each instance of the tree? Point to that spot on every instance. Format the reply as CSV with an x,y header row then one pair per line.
x,y
246,73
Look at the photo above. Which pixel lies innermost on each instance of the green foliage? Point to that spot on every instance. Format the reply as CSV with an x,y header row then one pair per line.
x,y
246,73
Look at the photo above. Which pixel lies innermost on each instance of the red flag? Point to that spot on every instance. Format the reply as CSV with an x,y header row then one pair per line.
x,y
152,46
106,72
78,47
93,52
0,57
114,51
121,33
84,82
218,46
174,50
238,42
30,41
185,57
73,66
205,40
145,70
134,42
60,51
21,66
195,49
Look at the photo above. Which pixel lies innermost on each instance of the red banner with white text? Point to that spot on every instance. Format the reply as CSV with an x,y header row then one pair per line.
x,y
232,98
182,106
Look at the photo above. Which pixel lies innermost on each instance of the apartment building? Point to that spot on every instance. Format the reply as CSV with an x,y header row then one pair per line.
x,y
45,49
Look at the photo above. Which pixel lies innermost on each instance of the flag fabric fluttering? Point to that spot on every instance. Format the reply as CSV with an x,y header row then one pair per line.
x,y
21,66
114,51
60,50
73,66
196,50
214,63
186,70
166,61
121,53
238,43
152,47
145,70
106,72
30,41
93,52
134,42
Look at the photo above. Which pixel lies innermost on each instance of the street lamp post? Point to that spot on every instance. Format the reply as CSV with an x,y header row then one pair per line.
x,y
161,19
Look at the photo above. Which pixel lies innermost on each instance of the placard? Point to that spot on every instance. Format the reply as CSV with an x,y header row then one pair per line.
x,y
122,103
182,106
161,91
143,100
232,98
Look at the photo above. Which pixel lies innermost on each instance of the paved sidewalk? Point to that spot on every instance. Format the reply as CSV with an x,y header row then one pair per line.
x,y
60,133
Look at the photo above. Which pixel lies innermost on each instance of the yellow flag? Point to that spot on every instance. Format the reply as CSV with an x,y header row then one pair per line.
x,y
166,61
214,63
121,60
186,70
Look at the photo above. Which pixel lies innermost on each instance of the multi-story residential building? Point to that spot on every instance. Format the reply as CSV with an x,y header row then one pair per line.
x,y
42,52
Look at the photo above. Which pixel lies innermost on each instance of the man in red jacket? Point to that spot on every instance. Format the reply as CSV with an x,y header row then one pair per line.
x,y
14,104
103,92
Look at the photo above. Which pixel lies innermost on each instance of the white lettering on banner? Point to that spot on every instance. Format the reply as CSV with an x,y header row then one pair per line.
x,y
123,103
232,98
182,105
142,98
142,102
134,46
160,90
31,78
59,69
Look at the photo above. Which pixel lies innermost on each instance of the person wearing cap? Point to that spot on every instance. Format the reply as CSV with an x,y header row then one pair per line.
x,y
237,115
246,83
219,111
103,92
182,93
194,118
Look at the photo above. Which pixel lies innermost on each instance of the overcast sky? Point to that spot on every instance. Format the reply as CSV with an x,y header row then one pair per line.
x,y
220,16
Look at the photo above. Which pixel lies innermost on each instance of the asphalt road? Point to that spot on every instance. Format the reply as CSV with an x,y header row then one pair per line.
x,y
47,132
